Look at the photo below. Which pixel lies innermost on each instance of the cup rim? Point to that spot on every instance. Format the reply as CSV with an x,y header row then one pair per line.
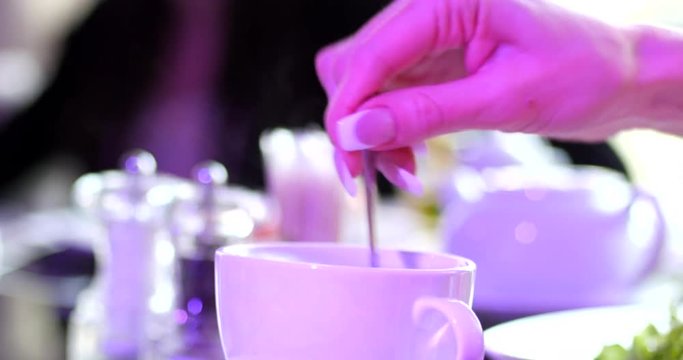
x,y
240,251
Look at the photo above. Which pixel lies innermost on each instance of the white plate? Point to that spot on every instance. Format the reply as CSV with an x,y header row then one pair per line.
x,y
572,334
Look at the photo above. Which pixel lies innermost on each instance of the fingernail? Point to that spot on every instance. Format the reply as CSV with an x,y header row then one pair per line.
x,y
365,129
344,174
420,148
401,177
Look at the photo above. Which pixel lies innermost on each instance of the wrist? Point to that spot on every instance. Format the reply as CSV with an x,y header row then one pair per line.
x,y
658,85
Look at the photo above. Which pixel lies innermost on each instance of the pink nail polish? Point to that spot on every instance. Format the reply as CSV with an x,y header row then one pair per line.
x,y
412,183
401,177
366,129
420,148
344,174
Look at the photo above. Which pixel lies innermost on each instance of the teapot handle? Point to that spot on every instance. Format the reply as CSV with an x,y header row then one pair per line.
x,y
660,232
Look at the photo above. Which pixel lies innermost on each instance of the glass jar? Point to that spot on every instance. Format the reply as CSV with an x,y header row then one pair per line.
x,y
133,286
202,219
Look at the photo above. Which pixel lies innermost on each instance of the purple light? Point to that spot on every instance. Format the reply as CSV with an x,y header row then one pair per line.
x,y
180,316
195,306
204,176
210,173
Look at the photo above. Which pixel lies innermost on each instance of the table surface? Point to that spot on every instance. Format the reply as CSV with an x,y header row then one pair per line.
x,y
47,260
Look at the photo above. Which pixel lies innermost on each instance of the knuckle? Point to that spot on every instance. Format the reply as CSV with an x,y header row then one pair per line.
x,y
323,61
367,60
427,114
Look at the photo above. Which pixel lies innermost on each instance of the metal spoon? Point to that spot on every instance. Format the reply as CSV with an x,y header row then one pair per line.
x,y
370,182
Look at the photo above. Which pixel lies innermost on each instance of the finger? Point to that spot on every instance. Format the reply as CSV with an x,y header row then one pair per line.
x,y
331,60
420,148
348,166
405,117
398,166
329,65
324,67
444,67
413,30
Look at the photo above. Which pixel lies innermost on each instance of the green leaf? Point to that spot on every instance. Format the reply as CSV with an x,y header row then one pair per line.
x,y
613,352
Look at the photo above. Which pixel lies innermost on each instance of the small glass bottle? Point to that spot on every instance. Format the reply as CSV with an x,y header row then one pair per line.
x,y
134,260
202,222
302,184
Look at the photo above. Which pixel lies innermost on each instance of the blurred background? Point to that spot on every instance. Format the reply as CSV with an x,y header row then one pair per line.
x,y
83,82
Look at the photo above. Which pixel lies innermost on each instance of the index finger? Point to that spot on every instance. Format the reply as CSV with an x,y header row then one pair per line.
x,y
396,39
331,60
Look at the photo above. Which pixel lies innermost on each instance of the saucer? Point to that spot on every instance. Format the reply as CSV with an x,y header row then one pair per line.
x,y
572,334
657,290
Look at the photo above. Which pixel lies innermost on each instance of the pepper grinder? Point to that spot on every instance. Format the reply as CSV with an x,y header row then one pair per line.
x,y
201,224
111,317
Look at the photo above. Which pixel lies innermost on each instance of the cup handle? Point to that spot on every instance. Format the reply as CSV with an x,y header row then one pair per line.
x,y
461,319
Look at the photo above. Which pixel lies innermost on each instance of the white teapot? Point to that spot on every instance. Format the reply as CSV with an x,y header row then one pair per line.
x,y
551,237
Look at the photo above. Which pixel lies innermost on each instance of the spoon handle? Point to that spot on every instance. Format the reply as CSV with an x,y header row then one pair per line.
x,y
370,182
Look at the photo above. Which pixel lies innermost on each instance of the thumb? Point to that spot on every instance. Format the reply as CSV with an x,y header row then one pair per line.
x,y
404,117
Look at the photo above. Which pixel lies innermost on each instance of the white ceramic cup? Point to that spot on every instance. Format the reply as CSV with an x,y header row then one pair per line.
x,y
295,301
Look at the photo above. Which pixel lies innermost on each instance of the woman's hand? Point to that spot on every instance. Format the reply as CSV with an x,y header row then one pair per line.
x,y
426,67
